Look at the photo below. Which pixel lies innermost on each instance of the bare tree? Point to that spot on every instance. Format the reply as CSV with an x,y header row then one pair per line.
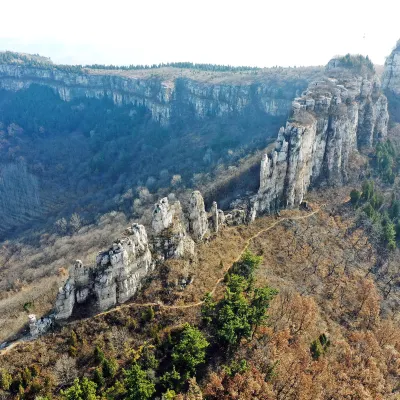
x,y
65,370
75,222
61,226
119,338
176,180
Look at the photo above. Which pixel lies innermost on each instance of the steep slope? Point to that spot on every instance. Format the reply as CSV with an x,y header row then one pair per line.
x,y
391,82
319,263
269,90
334,118
391,74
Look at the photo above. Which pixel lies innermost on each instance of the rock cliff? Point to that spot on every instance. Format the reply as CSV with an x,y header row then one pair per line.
x,y
391,83
114,278
271,91
198,224
119,271
343,113
115,122
170,238
391,74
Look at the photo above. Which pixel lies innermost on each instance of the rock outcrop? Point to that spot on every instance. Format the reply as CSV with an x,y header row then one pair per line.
x,y
336,116
198,224
162,216
120,270
214,218
39,326
114,278
391,74
170,238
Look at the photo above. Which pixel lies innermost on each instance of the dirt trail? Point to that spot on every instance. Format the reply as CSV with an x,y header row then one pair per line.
x,y
199,303
189,305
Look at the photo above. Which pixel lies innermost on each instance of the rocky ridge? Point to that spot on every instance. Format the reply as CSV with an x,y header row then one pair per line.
x,y
335,117
119,271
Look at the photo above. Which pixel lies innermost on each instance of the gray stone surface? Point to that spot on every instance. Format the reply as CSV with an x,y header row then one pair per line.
x,y
214,217
170,239
332,119
198,224
115,277
162,216
40,326
391,74
161,95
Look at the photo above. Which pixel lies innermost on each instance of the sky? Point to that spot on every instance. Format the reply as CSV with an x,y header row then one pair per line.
x,y
246,32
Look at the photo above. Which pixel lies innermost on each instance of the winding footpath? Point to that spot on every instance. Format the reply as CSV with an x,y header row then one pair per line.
x,y
225,271
189,305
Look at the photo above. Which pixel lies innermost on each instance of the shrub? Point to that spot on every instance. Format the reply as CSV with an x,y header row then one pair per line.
x,y
147,315
247,265
80,390
72,351
355,196
190,351
98,378
243,308
73,341
138,386
98,355
75,222
319,346
5,379
109,367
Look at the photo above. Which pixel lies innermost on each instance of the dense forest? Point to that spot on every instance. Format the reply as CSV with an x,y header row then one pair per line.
x,y
9,57
357,62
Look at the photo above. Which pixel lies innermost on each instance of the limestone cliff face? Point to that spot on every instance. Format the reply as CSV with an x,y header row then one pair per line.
x,y
198,224
151,93
391,74
332,119
162,96
120,270
170,237
114,278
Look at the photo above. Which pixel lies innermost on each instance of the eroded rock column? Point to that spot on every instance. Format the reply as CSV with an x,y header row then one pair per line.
x,y
198,225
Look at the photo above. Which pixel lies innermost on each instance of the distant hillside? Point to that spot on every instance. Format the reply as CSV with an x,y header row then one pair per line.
x,y
11,57
94,139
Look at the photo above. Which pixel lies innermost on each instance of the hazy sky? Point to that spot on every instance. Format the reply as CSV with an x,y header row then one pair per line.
x,y
246,32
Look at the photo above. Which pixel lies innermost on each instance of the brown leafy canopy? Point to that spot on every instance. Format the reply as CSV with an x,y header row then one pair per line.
x,y
323,269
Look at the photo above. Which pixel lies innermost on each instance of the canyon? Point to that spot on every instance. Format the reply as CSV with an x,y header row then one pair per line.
x,y
335,117
254,211
164,91
96,131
